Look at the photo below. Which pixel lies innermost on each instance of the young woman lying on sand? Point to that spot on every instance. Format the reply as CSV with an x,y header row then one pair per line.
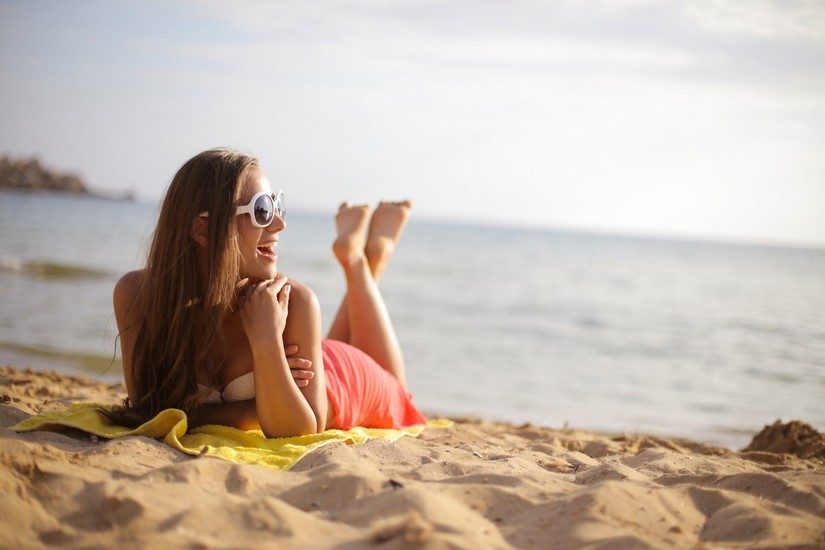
x,y
211,327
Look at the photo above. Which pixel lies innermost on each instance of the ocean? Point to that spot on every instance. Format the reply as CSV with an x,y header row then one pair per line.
x,y
620,334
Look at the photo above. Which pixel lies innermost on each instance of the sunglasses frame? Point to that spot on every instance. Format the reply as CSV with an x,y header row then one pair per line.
x,y
249,208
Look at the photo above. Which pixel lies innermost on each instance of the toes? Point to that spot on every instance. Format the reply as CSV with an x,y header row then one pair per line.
x,y
346,205
406,203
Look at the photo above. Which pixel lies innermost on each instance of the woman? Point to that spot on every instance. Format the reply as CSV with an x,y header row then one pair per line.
x,y
211,327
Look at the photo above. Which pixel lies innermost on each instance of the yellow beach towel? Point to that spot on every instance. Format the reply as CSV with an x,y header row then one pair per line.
x,y
249,447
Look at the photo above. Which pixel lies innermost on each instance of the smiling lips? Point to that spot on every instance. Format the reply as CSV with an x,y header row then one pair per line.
x,y
268,249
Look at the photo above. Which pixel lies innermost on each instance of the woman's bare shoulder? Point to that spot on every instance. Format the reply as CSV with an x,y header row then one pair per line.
x,y
129,284
301,294
126,290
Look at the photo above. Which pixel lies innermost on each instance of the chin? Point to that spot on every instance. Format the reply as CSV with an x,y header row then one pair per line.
x,y
261,274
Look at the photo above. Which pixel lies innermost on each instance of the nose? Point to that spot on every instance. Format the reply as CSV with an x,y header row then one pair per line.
x,y
277,224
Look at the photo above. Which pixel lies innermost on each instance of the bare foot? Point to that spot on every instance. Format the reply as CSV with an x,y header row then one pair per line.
x,y
351,223
387,223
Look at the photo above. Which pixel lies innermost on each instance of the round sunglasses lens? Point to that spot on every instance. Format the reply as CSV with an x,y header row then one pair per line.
x,y
279,205
264,210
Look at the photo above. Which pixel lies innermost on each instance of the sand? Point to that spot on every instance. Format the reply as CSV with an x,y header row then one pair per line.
x,y
475,485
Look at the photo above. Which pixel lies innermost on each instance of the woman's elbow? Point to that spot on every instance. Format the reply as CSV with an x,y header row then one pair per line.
x,y
305,428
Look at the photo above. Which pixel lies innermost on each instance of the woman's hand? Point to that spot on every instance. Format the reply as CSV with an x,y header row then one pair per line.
x,y
263,307
300,368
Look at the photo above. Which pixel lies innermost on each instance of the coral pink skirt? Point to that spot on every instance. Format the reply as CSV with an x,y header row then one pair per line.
x,y
364,394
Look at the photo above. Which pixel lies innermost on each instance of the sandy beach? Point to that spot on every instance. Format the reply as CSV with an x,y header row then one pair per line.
x,y
476,484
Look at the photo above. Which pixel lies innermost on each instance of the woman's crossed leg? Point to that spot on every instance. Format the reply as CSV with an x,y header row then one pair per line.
x,y
363,248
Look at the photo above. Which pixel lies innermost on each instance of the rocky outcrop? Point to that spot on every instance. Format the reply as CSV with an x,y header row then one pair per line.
x,y
27,174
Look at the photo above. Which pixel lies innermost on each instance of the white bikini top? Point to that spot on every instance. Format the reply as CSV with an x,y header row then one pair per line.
x,y
238,389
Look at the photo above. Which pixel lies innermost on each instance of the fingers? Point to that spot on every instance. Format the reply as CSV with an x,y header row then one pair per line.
x,y
290,350
299,363
299,368
274,285
283,296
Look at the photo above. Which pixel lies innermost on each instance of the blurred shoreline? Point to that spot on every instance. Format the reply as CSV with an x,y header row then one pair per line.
x,y
28,175
620,334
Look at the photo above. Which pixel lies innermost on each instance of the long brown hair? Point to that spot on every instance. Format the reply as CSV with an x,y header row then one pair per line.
x,y
179,315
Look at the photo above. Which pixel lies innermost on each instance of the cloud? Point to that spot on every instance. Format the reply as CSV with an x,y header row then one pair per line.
x,y
766,44
618,114
787,21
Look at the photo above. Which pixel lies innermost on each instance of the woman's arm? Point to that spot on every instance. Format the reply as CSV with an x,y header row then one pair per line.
x,y
243,414
282,409
303,328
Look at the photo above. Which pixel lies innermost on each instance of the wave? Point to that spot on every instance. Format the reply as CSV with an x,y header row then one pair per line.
x,y
49,270
88,362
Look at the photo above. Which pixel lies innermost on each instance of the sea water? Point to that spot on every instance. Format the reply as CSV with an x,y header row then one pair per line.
x,y
702,340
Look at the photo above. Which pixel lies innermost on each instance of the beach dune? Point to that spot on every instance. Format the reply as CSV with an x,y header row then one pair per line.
x,y
476,484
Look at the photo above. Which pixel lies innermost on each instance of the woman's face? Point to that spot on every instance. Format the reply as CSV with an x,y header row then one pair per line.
x,y
258,244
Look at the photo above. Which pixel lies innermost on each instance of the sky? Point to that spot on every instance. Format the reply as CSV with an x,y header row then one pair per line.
x,y
701,119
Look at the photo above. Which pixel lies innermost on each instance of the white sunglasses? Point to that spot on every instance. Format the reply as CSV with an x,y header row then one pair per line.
x,y
262,208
